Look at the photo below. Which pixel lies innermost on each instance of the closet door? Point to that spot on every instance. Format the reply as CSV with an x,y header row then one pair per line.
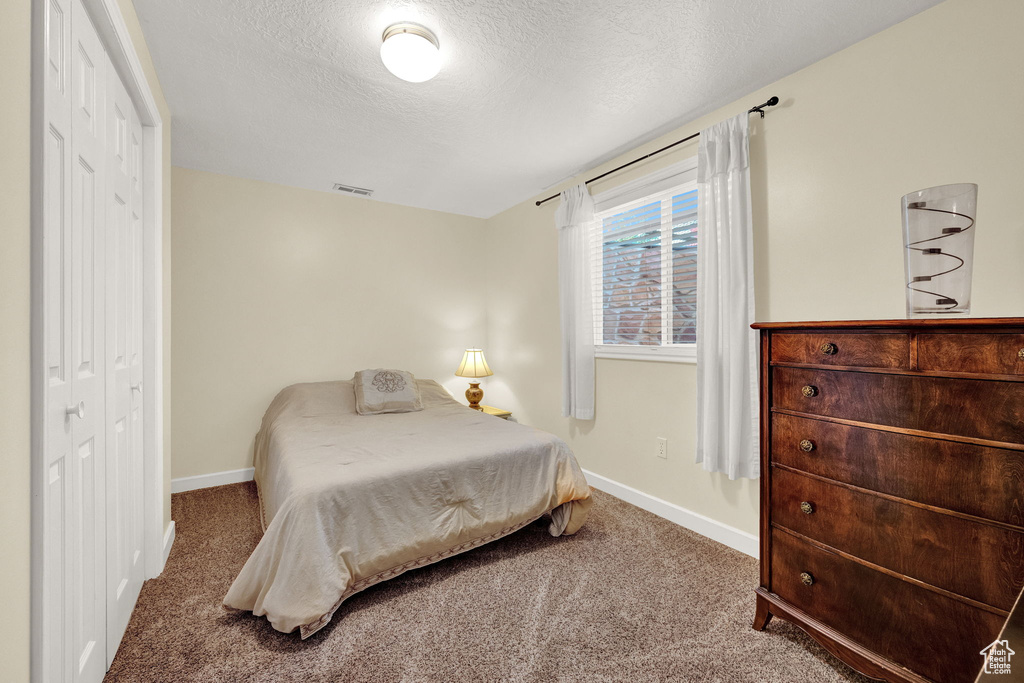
x,y
124,361
91,288
57,380
86,519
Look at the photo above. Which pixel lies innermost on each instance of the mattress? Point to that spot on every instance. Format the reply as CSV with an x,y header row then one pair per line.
x,y
349,500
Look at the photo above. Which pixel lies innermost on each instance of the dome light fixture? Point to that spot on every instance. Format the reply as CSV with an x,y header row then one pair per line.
x,y
411,52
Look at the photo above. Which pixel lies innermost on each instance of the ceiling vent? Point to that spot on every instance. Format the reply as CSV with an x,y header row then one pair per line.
x,y
361,191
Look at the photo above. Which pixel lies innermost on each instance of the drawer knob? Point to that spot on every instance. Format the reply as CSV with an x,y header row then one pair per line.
x,y
807,445
829,349
1020,354
809,390
806,578
806,508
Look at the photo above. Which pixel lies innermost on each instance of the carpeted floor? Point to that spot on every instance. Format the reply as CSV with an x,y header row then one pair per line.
x,y
631,597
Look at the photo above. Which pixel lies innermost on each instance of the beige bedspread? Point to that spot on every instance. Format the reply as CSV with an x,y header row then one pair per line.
x,y
349,500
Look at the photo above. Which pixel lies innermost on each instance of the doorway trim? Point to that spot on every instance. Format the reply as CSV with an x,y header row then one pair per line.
x,y
116,40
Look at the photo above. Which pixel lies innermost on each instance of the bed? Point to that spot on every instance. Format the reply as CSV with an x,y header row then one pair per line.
x,y
349,500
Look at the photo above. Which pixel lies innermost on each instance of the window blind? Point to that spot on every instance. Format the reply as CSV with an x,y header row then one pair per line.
x,y
644,270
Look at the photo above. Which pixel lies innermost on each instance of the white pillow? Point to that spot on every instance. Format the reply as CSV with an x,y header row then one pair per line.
x,y
386,391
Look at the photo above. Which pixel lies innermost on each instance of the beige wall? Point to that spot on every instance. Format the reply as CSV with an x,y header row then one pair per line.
x,y
15,208
933,100
274,285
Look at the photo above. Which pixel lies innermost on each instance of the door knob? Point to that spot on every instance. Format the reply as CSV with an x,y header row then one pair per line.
x,y
76,410
137,387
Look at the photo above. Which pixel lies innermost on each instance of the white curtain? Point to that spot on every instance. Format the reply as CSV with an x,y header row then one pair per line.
x,y
573,217
727,396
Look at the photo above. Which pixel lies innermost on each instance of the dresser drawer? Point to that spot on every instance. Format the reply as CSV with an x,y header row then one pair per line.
x,y
972,559
935,636
999,354
859,350
975,480
964,407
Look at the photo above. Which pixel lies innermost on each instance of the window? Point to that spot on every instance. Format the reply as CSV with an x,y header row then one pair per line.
x,y
644,268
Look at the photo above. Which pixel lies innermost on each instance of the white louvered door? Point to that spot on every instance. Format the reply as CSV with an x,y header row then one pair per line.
x,y
91,281
124,362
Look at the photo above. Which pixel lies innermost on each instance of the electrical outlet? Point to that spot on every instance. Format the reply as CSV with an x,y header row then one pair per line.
x,y
662,448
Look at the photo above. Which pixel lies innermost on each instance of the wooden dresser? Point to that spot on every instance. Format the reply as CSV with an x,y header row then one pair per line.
x,y
892,489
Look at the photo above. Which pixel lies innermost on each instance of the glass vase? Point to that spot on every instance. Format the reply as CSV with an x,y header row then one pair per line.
x,y
938,249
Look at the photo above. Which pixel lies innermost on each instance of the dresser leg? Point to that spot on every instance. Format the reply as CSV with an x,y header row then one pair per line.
x,y
762,616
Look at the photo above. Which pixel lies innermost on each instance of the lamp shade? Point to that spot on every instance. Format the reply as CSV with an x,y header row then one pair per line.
x,y
411,52
473,365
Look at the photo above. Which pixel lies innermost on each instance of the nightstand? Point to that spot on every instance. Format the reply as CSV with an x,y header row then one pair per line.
x,y
496,412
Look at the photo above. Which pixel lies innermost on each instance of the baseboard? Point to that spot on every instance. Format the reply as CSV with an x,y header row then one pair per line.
x,y
168,542
205,481
742,541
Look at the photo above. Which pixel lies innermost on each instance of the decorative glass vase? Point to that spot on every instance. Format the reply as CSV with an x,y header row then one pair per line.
x,y
938,249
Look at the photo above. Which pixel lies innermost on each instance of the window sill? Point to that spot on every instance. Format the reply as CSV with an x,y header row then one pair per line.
x,y
662,354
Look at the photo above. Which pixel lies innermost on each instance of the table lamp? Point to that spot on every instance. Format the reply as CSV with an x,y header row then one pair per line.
x,y
474,365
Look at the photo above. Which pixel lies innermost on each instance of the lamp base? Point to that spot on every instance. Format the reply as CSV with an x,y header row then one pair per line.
x,y
474,395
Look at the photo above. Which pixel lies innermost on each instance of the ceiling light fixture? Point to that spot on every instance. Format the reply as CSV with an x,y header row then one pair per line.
x,y
411,52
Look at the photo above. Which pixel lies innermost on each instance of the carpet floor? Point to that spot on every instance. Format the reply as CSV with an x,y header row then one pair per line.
x,y
631,597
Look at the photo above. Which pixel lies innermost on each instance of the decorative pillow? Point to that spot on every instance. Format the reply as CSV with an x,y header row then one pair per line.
x,y
386,391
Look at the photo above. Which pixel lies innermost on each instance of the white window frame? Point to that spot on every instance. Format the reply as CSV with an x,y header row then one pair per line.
x,y
680,175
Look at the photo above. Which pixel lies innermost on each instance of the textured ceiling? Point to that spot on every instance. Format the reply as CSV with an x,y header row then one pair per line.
x,y
530,92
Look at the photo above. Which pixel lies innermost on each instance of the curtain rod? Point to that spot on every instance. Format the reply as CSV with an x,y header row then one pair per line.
x,y
772,101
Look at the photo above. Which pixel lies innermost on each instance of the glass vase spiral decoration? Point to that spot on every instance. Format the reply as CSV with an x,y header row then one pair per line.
x,y
938,253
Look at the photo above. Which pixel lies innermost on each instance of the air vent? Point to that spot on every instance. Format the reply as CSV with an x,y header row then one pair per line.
x,y
361,191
